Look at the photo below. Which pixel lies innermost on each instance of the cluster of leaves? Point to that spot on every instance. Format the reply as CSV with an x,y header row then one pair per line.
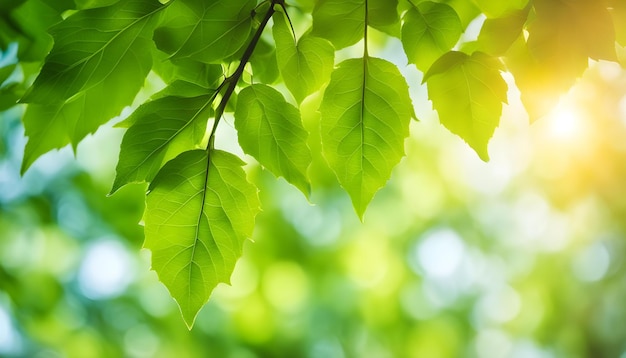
x,y
200,208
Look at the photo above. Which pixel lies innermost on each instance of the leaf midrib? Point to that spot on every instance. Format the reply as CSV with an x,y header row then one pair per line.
x,y
110,41
170,139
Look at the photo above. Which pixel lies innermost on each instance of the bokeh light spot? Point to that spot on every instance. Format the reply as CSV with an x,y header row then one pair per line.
x,y
286,286
440,253
9,340
106,270
491,343
592,263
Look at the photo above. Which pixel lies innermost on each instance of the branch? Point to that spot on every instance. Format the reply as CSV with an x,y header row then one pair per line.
x,y
232,80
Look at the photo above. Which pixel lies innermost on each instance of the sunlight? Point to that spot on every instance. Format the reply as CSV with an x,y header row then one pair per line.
x,y
565,121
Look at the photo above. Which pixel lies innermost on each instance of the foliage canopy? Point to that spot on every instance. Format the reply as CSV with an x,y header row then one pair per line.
x,y
83,62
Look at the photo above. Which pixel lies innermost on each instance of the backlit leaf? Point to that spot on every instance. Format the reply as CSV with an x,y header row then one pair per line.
x,y
191,71
264,62
468,92
466,10
497,35
305,66
618,13
499,8
562,36
270,129
206,31
342,21
428,31
199,211
366,112
114,49
566,33
162,129
85,83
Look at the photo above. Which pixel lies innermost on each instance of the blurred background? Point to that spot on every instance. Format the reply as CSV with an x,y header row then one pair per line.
x,y
523,256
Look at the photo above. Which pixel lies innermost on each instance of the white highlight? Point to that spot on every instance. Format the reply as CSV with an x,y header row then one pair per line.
x,y
565,121
440,253
9,339
592,263
106,270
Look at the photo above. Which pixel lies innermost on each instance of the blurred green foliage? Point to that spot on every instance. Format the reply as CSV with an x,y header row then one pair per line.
x,y
524,256
520,257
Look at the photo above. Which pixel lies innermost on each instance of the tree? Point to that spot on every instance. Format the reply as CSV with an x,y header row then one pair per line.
x,y
216,57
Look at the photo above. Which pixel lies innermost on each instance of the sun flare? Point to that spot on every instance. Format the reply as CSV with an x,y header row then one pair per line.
x,y
565,121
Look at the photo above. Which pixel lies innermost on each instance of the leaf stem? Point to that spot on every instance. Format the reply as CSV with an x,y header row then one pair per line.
x,y
365,53
232,80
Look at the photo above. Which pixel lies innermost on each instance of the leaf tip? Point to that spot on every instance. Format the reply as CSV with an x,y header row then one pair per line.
x,y
360,210
482,152
190,321
113,190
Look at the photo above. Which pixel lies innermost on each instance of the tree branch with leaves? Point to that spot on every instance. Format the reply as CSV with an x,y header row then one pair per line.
x,y
94,57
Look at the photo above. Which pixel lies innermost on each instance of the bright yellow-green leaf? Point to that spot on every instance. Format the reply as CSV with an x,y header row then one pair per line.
x,y
366,112
498,8
161,130
428,31
342,21
618,14
497,35
466,10
565,33
305,66
199,211
562,36
270,129
468,92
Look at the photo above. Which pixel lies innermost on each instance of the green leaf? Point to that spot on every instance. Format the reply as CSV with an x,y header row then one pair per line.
x,y
270,129
56,125
191,71
382,13
499,8
79,88
199,211
92,4
27,24
162,129
206,31
428,31
9,95
264,62
466,10
540,88
6,71
565,33
61,5
305,66
497,35
7,6
468,92
366,112
562,36
114,49
342,21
